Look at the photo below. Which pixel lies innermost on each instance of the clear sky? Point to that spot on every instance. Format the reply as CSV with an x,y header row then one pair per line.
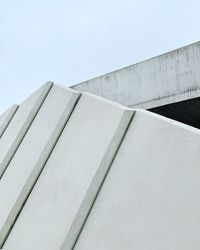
x,y
69,41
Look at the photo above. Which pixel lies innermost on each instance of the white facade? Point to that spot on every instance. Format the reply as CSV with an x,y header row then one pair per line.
x,y
85,173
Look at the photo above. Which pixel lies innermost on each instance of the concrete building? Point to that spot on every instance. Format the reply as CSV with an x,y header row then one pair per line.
x,y
168,85
78,171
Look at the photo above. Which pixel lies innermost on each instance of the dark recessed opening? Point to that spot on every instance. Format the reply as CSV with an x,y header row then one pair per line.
x,y
187,112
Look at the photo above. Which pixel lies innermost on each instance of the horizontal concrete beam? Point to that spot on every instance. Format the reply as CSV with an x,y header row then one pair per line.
x,y
169,78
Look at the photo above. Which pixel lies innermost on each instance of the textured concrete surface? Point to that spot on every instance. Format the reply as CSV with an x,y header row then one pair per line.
x,y
151,197
6,117
21,121
92,174
165,79
65,191
32,154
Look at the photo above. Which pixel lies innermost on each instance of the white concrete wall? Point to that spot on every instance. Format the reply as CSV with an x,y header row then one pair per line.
x,y
33,152
151,197
21,122
171,77
128,181
66,189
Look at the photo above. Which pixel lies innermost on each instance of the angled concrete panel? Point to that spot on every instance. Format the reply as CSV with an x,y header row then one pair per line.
x,y
6,117
151,196
33,152
61,199
20,123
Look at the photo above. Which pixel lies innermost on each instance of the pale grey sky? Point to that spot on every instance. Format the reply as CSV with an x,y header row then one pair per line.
x,y
69,41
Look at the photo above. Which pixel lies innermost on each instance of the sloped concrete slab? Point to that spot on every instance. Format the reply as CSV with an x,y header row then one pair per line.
x,y
6,117
20,124
62,197
33,152
151,196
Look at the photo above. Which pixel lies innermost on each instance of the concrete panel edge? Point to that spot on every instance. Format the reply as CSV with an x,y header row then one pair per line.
x,y
97,181
6,120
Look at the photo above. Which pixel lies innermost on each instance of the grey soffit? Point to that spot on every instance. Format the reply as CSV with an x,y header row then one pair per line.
x,y
82,172
187,112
